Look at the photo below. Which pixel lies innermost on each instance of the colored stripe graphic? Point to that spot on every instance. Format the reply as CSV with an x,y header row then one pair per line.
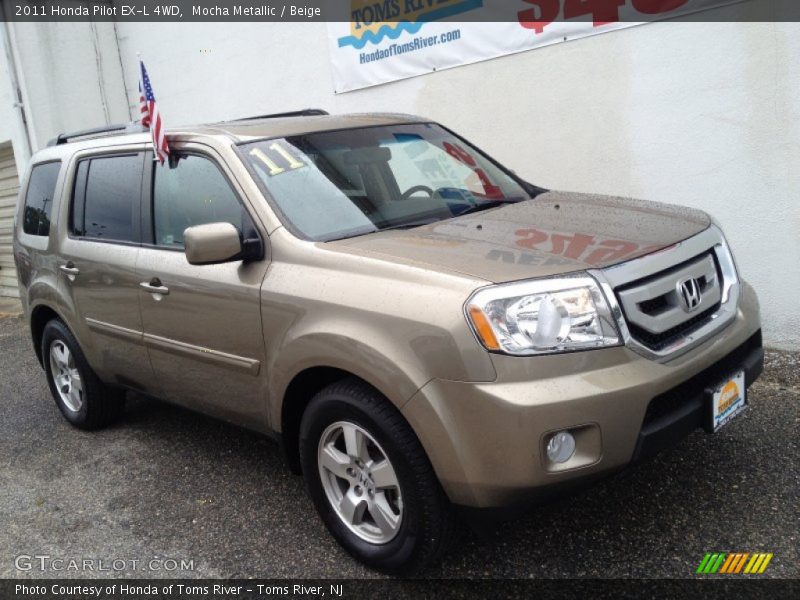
x,y
718,564
749,567
711,563
757,566
764,564
703,563
728,562
740,564
733,563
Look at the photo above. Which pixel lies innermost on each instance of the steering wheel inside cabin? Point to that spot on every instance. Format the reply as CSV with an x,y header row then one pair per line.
x,y
417,188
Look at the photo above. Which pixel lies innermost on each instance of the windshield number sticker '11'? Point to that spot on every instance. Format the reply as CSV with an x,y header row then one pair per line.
x,y
278,155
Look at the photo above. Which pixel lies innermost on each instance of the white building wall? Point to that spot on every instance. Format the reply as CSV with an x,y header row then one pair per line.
x,y
71,75
11,129
6,103
699,114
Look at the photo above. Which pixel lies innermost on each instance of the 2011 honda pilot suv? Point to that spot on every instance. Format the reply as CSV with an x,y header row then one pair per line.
x,y
420,327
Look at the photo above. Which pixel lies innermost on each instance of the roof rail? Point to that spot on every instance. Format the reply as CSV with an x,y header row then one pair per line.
x,y
63,138
306,112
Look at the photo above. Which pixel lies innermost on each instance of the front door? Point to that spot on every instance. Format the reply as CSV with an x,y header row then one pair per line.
x,y
202,324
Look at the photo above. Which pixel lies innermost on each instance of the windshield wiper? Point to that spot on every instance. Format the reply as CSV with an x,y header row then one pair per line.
x,y
409,225
485,206
472,209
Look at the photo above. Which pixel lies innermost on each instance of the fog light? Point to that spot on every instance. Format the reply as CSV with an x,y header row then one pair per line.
x,y
561,447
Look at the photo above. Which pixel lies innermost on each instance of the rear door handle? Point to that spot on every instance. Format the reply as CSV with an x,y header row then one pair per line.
x,y
70,269
154,286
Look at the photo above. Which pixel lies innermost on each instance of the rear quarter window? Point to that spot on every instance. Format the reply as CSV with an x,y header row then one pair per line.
x,y
39,198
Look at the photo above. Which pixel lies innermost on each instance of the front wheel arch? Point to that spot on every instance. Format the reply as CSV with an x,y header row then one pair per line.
x,y
298,395
427,518
303,387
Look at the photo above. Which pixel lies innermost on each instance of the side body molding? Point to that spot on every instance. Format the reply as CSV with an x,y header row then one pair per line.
x,y
240,363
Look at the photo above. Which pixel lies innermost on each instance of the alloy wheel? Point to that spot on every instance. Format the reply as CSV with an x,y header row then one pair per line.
x,y
66,377
360,482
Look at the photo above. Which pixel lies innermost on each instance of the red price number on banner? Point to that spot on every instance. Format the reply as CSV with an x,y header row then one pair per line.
x,y
544,12
654,7
602,11
538,18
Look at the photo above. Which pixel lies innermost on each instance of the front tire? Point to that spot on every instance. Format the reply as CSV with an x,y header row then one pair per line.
x,y
371,480
83,399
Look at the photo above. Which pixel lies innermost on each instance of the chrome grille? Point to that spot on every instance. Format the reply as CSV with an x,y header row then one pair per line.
x,y
659,341
667,305
658,317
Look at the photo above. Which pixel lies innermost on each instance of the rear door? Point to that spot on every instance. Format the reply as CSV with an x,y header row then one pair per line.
x,y
97,264
202,324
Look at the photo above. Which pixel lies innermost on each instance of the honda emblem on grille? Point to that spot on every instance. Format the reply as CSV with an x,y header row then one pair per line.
x,y
689,293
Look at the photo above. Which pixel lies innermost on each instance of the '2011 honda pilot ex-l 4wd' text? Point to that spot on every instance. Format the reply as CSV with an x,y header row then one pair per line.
x,y
420,327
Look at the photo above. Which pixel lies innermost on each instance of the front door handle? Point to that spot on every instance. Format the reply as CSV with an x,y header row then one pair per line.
x,y
70,269
154,286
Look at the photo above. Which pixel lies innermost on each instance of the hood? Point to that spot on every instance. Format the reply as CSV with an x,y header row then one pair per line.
x,y
552,234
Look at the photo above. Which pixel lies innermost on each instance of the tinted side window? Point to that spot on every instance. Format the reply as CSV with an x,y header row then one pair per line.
x,y
108,206
39,199
79,198
192,192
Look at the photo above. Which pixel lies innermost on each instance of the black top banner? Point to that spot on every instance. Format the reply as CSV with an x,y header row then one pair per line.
x,y
370,12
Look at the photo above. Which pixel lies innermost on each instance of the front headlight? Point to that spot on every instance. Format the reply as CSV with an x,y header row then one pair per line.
x,y
542,316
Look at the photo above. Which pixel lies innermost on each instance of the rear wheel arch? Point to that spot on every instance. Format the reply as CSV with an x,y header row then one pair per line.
x,y
41,315
84,400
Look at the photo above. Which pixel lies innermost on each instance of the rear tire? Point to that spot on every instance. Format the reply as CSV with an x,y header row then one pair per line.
x,y
84,400
371,481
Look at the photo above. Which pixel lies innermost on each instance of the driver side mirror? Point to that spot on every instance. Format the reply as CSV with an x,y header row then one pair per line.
x,y
212,243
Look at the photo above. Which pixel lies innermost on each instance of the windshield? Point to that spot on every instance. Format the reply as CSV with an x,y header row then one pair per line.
x,y
351,182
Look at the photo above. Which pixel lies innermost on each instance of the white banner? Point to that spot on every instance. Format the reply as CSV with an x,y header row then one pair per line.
x,y
389,40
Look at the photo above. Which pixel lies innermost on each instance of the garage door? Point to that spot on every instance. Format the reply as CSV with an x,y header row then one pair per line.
x,y
9,186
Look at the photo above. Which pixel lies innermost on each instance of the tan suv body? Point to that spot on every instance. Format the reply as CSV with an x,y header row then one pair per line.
x,y
400,323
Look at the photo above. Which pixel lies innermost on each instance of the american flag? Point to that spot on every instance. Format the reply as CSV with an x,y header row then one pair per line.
x,y
150,115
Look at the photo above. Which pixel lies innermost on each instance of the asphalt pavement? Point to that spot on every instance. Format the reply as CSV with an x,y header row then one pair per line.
x,y
176,494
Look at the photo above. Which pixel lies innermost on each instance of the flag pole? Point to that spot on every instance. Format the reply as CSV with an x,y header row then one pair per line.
x,y
139,76
138,83
136,124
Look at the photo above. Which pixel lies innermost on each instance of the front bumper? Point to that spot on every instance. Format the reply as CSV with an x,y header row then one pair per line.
x,y
486,441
